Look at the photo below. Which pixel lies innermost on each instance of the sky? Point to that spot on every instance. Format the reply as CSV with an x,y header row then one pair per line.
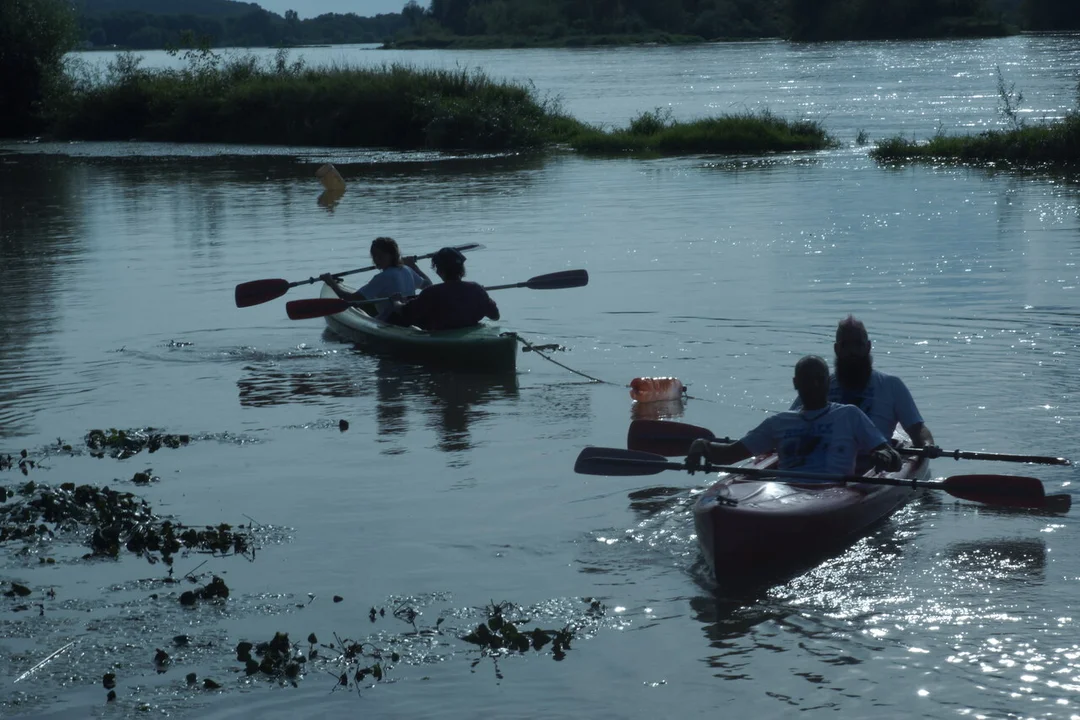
x,y
311,8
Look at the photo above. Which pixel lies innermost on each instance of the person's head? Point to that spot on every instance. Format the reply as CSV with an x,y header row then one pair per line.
x,y
449,263
853,363
385,253
812,381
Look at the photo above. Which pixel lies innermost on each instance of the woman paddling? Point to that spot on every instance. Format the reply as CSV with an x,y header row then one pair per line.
x,y
396,276
454,303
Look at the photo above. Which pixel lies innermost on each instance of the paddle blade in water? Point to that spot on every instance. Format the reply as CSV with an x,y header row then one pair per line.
x,y
257,292
1058,503
664,437
558,280
315,308
1007,490
612,461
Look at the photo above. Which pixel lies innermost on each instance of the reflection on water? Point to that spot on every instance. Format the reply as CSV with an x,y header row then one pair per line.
x,y
1007,560
41,237
659,410
449,403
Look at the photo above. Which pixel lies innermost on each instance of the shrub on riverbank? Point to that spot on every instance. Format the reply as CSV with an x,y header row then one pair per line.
x,y
33,39
655,133
1052,143
241,100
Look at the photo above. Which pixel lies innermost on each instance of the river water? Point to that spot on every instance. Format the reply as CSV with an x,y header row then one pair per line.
x,y
449,492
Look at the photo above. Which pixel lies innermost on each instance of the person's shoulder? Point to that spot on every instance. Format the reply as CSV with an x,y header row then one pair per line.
x,y
887,380
852,411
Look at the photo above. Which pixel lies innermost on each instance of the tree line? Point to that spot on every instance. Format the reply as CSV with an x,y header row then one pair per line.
x,y
155,23
720,19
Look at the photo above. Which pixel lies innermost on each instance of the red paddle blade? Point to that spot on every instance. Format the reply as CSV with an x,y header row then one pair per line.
x,y
1007,490
664,437
257,292
1057,503
315,308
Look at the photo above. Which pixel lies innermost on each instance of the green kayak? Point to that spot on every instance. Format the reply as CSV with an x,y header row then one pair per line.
x,y
482,348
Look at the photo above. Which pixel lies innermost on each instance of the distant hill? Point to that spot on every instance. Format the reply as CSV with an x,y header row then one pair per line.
x,y
203,8
153,24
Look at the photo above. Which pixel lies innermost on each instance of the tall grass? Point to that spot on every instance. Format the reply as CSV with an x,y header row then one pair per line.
x,y
1055,143
1050,143
242,100
655,133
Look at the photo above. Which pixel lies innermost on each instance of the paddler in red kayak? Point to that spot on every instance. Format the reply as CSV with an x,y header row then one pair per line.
x,y
396,276
454,303
822,437
884,398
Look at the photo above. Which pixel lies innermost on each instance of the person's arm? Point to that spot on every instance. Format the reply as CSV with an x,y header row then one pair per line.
x,y
335,285
425,281
760,440
870,440
920,435
492,311
415,310
715,453
907,414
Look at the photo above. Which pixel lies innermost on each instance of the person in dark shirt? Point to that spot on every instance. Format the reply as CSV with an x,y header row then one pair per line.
x,y
454,303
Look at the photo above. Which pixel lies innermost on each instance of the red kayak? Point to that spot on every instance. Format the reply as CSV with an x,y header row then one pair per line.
x,y
778,525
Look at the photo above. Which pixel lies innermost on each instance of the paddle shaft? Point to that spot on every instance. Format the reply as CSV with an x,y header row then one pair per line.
x,y
675,438
257,292
1004,490
932,452
763,472
459,248
321,307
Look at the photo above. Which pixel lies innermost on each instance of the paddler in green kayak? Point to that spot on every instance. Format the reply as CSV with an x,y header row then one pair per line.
x,y
452,304
821,437
396,276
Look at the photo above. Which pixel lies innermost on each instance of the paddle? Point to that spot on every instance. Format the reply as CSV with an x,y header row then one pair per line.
x,y
257,292
321,307
665,437
1010,490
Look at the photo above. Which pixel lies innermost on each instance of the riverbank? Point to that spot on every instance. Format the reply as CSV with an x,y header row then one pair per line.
x,y
494,42
239,99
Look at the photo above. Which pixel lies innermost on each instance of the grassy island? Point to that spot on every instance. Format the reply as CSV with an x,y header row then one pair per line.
x,y
238,99
655,133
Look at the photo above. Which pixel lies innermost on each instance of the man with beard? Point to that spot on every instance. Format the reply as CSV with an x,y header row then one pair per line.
x,y
820,437
884,398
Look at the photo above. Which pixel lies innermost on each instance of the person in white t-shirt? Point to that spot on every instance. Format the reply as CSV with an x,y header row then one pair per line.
x,y
822,437
396,276
885,399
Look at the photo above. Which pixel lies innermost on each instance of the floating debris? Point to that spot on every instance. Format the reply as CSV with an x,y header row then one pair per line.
x,y
123,444
109,520
213,590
